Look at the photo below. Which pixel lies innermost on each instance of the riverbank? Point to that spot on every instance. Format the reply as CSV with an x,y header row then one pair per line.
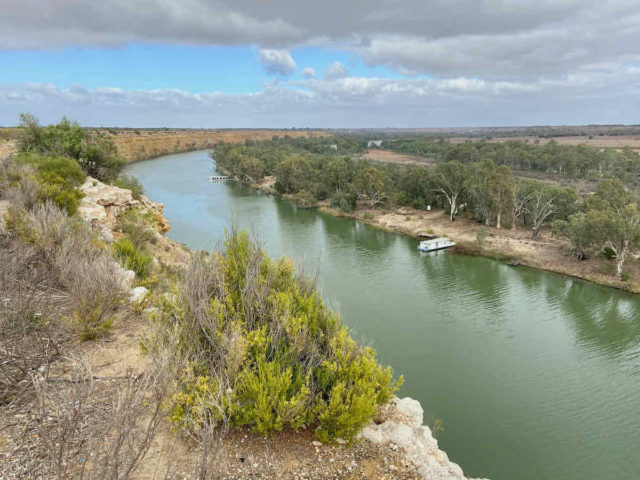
x,y
515,247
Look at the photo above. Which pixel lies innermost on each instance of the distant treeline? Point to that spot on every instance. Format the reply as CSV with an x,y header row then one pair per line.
x,y
570,161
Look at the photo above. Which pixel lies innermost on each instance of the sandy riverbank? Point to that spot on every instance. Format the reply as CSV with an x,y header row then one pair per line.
x,y
513,246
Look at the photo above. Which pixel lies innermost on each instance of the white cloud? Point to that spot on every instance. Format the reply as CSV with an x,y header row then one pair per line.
x,y
336,70
308,72
344,102
277,61
515,42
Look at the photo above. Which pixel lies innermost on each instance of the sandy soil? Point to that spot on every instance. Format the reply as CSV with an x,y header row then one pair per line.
x,y
387,156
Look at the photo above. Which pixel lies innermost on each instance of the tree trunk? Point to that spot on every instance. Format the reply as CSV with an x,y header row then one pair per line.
x,y
536,228
621,257
487,222
498,225
453,206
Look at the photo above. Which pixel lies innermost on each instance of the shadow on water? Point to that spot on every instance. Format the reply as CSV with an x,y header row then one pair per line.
x,y
608,322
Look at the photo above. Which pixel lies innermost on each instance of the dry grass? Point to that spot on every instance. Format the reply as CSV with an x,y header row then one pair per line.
x,y
387,156
617,142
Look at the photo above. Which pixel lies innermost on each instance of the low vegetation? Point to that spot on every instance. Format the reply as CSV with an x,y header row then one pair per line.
x,y
260,348
133,257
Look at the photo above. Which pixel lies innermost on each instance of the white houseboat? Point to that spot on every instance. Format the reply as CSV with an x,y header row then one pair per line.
x,y
435,244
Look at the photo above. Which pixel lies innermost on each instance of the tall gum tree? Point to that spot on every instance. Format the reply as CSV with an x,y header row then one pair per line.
x,y
449,180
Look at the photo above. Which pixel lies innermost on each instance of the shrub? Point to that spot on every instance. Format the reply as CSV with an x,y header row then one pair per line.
x,y
138,225
36,179
55,270
344,201
481,236
133,258
261,349
66,168
130,183
304,199
626,276
96,154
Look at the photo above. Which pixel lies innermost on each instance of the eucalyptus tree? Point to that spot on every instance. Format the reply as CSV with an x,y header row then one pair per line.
x,y
547,202
611,219
370,184
450,180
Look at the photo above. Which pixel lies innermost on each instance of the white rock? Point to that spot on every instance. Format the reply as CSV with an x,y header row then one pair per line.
x,y
126,276
138,294
404,429
101,205
411,409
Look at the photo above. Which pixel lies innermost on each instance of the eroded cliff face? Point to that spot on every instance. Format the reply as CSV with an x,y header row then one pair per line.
x,y
134,145
102,205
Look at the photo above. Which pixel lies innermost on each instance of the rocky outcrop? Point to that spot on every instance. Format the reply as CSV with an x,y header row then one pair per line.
x,y
399,424
102,204
158,213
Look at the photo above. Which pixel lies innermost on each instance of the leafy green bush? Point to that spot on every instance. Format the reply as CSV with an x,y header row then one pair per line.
x,y
130,183
133,258
304,199
139,225
481,236
63,167
56,179
258,347
96,154
344,201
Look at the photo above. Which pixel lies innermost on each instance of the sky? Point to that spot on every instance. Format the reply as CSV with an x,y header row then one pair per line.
x,y
330,64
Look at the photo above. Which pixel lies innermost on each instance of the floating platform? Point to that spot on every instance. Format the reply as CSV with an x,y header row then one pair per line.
x,y
218,178
435,244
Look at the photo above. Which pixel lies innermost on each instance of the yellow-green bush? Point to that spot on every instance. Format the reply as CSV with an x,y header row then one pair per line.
x,y
138,224
133,258
56,179
260,348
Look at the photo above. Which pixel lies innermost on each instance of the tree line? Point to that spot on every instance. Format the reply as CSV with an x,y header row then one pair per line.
x,y
568,161
484,190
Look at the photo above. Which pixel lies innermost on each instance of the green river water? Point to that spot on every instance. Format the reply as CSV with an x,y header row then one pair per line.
x,y
535,376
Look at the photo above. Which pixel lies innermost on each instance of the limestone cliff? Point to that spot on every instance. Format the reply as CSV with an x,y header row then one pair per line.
x,y
399,425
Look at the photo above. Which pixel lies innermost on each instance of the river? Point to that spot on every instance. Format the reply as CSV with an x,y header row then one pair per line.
x,y
535,376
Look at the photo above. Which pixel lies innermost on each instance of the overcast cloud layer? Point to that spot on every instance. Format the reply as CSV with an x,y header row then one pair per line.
x,y
492,56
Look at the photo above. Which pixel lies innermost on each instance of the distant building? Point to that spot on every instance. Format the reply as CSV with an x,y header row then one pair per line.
x,y
334,146
374,143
